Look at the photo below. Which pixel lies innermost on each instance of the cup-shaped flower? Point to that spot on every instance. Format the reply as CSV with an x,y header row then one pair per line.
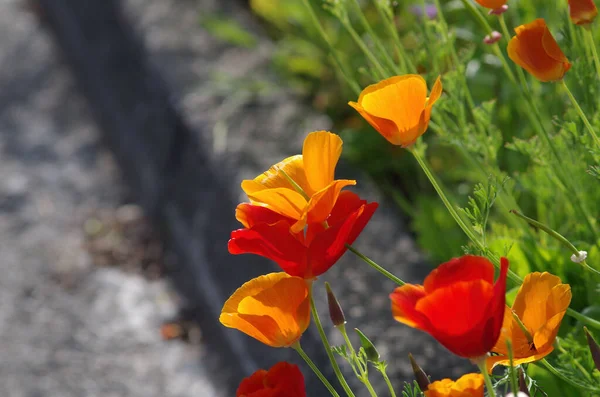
x,y
273,309
535,50
459,305
469,385
305,255
540,305
302,187
398,107
582,12
491,4
282,380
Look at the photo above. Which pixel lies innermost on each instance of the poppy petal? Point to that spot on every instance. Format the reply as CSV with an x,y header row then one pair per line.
x,y
274,242
387,128
330,245
285,201
320,205
320,153
537,296
249,215
273,309
404,301
273,178
463,269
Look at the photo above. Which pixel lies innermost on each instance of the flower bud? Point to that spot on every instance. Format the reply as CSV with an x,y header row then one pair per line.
x,y
335,310
499,10
522,383
420,375
582,12
492,38
370,350
594,348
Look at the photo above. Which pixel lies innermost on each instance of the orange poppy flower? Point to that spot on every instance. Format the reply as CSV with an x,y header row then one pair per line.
x,y
282,380
541,304
398,107
301,254
535,50
459,305
582,11
469,385
491,4
273,309
312,172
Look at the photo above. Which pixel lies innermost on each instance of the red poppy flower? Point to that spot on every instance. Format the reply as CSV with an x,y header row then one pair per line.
x,y
301,254
282,380
459,305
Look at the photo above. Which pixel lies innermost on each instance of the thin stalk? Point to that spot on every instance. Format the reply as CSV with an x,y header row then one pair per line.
x,y
581,113
387,381
488,382
513,373
590,44
456,60
382,74
488,29
388,19
545,364
327,346
315,369
583,318
375,265
363,375
557,236
339,64
375,38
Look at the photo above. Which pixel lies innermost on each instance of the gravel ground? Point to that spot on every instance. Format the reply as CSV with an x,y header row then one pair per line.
x,y
67,326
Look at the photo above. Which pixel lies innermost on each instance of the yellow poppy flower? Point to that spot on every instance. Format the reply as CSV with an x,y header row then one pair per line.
x,y
273,309
469,385
398,107
312,172
540,306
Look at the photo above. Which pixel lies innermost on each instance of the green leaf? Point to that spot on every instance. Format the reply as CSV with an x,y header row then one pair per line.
x,y
229,30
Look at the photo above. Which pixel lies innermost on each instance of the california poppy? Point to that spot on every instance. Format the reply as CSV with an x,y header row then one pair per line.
x,y
302,187
305,255
469,385
459,305
540,306
273,309
582,11
535,50
491,4
282,380
398,107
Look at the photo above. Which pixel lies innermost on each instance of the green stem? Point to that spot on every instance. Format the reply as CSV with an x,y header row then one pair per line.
x,y
486,377
388,17
363,375
557,236
382,74
512,370
544,363
327,346
581,114
386,378
382,50
338,63
375,265
316,370
583,318
488,30
590,43
456,60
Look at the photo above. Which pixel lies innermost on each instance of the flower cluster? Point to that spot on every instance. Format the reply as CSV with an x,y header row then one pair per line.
x,y
304,219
